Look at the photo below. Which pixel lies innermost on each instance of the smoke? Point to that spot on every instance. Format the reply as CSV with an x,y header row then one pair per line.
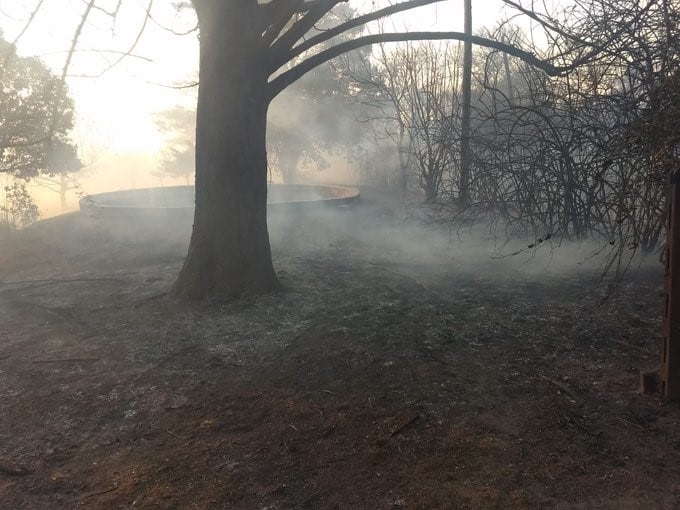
x,y
381,231
377,233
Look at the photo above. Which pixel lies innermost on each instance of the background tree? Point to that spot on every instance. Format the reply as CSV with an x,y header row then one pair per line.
x,y
17,209
308,123
36,116
178,159
413,98
314,118
584,155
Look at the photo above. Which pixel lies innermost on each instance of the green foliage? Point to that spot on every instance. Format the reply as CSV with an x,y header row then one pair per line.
x,y
36,114
17,209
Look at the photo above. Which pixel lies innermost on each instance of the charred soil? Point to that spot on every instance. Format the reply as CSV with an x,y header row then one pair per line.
x,y
373,380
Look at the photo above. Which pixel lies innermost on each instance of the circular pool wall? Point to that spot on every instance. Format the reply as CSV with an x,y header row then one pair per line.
x,y
178,201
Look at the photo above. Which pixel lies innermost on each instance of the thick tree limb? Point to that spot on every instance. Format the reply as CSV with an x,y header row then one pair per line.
x,y
276,16
283,44
351,24
285,79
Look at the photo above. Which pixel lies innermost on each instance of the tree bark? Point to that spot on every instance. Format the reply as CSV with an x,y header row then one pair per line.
x,y
229,253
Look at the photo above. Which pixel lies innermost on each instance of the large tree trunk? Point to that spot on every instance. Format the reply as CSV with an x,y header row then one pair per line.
x,y
229,253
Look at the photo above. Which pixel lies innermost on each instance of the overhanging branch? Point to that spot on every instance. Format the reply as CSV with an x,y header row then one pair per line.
x,y
285,79
276,16
286,41
351,24
552,26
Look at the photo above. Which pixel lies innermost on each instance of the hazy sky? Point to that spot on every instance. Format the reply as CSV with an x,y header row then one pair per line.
x,y
115,110
115,107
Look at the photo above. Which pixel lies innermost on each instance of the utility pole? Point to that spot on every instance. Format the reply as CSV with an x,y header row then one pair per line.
x,y
465,153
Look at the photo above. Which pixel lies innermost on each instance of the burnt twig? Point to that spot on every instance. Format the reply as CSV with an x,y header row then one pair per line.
x,y
562,387
99,493
64,360
8,469
406,425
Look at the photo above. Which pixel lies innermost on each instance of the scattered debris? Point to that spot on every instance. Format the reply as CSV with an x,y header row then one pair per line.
x,y
376,375
406,425
562,387
99,493
10,470
65,360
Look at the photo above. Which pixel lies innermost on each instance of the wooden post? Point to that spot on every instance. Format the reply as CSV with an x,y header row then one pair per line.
x,y
670,356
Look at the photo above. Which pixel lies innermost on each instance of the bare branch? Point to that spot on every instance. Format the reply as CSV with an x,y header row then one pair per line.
x,y
67,63
189,85
351,24
554,27
277,15
74,41
113,13
172,31
128,52
286,41
285,79
30,19
98,51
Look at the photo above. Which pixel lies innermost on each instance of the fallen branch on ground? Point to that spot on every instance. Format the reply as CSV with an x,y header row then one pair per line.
x,y
99,493
562,387
48,281
64,360
406,425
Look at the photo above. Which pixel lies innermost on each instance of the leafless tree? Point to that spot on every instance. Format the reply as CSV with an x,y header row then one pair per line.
x,y
584,155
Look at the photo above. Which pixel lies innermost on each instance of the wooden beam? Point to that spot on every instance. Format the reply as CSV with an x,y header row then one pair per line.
x,y
670,356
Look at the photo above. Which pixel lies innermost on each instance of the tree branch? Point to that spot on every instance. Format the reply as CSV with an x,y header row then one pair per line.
x,y
277,15
285,79
121,54
28,23
554,27
351,24
286,41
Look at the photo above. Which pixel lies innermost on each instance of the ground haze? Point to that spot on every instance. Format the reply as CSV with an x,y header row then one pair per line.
x,y
389,372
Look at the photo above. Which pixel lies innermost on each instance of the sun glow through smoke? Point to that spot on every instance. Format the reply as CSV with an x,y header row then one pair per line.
x,y
114,117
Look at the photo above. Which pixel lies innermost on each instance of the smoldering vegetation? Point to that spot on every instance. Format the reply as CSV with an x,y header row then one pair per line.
x,y
563,172
378,229
394,345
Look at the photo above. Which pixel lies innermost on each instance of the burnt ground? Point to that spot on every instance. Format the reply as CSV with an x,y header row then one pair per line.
x,y
382,376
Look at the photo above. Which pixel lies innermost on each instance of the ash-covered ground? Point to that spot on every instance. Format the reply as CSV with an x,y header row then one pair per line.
x,y
400,367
